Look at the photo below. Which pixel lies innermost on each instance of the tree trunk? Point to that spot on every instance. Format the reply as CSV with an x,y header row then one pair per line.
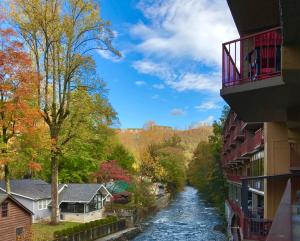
x,y
54,185
6,177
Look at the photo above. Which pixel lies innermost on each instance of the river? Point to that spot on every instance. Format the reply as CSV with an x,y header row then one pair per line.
x,y
187,218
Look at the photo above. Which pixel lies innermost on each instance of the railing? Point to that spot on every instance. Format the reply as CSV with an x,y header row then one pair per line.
x,y
94,232
295,156
235,207
257,184
239,133
257,228
251,144
251,58
234,178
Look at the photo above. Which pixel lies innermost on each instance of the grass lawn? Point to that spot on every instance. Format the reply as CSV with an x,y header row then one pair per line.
x,y
44,231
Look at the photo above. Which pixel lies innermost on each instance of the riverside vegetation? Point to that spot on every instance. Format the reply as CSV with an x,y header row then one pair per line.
x,y
205,169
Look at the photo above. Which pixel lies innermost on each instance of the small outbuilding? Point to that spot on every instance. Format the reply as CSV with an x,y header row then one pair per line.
x,y
15,219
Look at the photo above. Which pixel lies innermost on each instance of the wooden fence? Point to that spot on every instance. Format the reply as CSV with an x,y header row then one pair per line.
x,y
95,232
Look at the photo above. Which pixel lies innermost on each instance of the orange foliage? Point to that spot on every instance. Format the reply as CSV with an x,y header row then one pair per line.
x,y
18,87
34,166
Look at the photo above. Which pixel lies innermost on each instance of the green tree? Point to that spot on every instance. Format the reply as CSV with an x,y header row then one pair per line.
x,y
205,169
165,162
86,135
123,157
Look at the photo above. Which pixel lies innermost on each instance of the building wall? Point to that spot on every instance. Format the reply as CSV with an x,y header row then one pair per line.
x,y
17,217
277,156
83,217
38,215
41,215
277,153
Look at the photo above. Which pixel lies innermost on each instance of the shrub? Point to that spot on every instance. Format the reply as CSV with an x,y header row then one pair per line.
x,y
85,226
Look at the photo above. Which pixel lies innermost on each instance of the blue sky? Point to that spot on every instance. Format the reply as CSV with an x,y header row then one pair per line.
x,y
170,69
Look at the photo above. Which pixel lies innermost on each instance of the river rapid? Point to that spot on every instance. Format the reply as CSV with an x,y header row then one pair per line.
x,y
187,218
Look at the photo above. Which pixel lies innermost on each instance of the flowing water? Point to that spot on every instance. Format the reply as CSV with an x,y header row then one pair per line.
x,y
187,218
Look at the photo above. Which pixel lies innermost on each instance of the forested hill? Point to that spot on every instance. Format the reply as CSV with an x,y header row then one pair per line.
x,y
136,138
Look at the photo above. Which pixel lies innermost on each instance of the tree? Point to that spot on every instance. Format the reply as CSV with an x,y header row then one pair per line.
x,y
205,169
165,162
123,157
60,35
18,113
110,170
87,135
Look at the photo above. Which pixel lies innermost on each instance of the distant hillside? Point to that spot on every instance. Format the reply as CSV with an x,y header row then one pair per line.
x,y
137,139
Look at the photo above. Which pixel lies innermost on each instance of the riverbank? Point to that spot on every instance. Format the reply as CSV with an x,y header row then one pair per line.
x,y
124,235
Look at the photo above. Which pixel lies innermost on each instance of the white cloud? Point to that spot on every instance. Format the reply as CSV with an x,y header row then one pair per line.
x,y
185,28
180,82
158,86
110,56
208,121
208,105
177,112
159,70
140,83
197,82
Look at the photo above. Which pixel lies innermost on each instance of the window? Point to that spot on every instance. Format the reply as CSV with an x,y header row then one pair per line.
x,y
19,231
72,207
4,209
43,204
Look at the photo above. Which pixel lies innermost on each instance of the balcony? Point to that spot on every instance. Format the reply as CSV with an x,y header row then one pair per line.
x,y
253,58
257,228
253,143
254,226
256,184
234,178
239,134
252,76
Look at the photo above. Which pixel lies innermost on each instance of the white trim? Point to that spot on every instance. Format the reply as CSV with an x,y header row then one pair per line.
x,y
256,191
108,193
13,193
101,186
44,204
62,188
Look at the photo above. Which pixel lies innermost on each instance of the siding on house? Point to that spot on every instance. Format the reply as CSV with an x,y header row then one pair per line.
x,y
17,217
43,214
33,206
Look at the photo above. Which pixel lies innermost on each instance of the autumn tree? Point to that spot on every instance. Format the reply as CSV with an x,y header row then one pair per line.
x,y
18,112
110,170
60,35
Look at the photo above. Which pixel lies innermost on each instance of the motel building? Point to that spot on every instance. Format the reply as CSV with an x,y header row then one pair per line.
x,y
261,136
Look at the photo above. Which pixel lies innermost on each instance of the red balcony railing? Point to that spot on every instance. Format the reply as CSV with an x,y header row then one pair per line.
x,y
251,58
234,151
258,139
254,226
234,178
